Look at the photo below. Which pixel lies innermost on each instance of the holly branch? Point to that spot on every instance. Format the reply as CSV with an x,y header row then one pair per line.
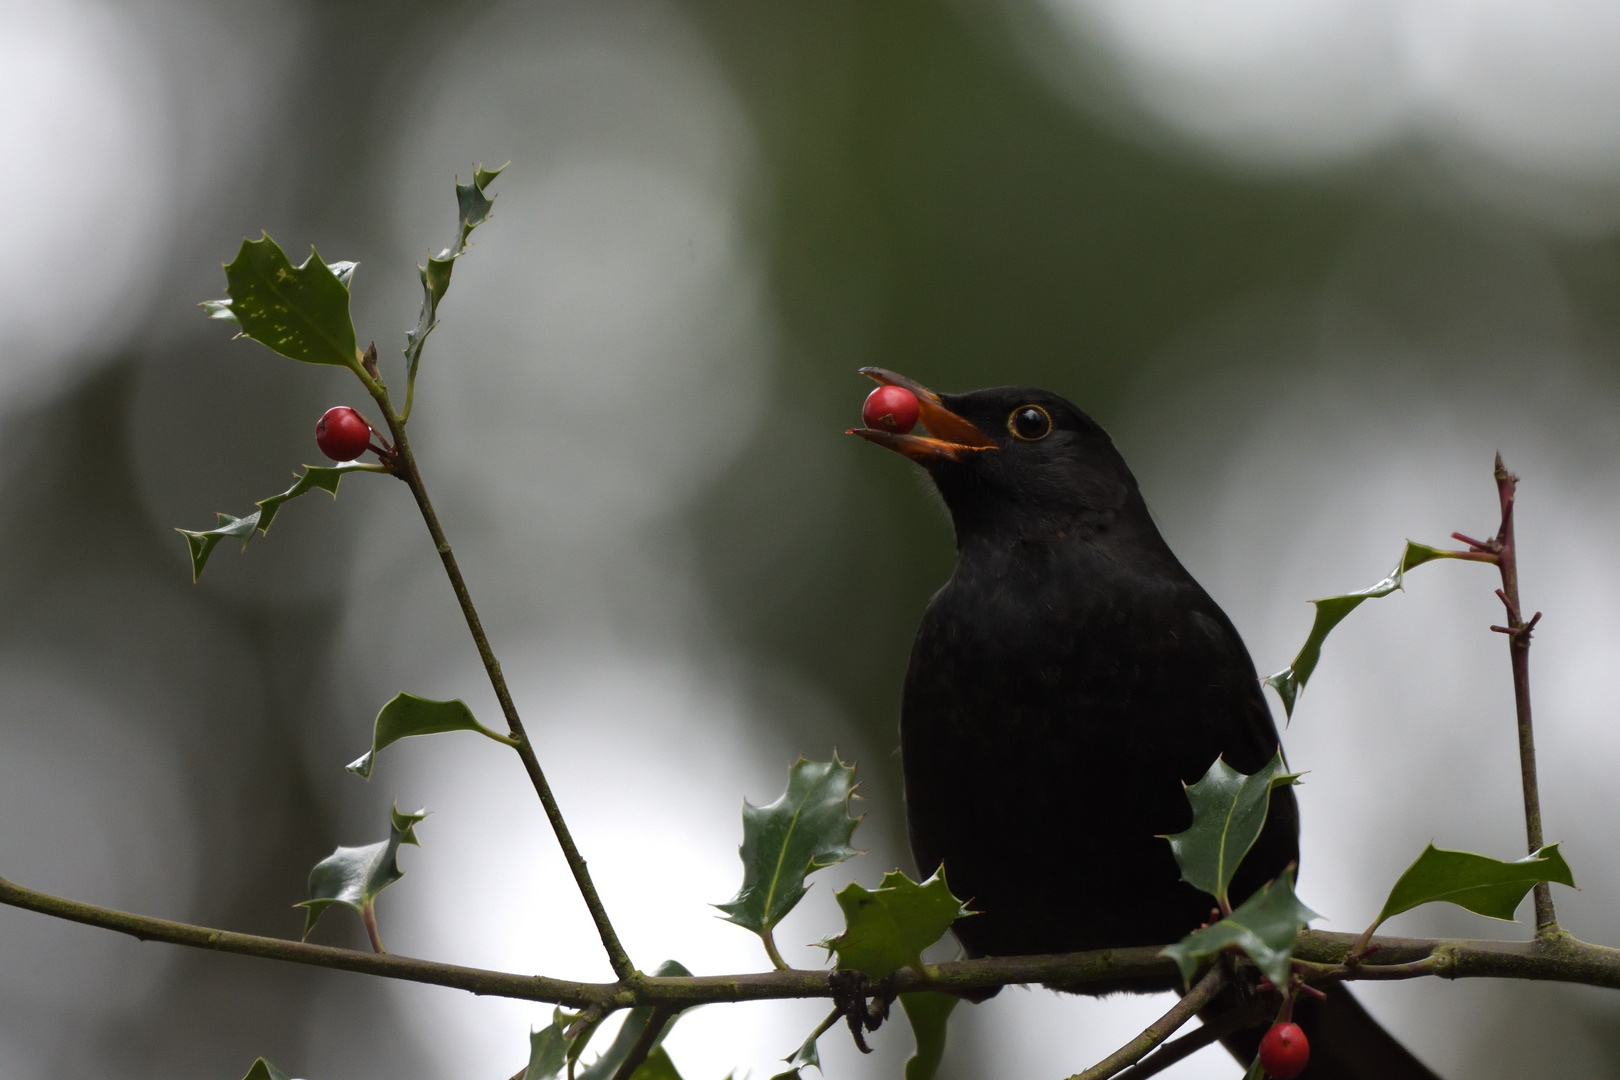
x,y
1260,944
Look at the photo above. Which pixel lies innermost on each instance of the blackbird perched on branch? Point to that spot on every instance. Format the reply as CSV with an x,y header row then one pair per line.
x,y
1064,684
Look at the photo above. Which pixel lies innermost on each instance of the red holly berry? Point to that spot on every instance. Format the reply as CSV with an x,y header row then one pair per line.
x,y
1284,1051
341,434
890,408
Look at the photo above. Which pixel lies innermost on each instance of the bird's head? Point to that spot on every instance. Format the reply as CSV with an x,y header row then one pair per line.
x,y
1015,461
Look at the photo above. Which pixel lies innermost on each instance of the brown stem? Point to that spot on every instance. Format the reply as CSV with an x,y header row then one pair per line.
x,y
406,469
1518,635
1248,1015
1168,1054
1160,1030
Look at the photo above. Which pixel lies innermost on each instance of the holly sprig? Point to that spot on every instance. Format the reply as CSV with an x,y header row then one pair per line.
x,y
303,312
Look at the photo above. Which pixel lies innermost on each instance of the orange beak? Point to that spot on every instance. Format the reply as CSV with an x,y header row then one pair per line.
x,y
950,438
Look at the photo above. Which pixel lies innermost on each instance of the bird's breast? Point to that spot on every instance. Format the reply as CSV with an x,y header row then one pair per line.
x,y
1054,704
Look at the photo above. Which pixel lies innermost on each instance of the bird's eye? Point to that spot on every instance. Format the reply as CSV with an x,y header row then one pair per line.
x,y
1030,422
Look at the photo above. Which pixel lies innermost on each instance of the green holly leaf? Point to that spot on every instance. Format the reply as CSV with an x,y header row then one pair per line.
x,y
1229,810
656,1067
804,1057
1485,886
928,1012
201,544
301,312
406,715
1264,926
314,478
473,209
635,1023
263,1070
807,829
887,928
548,1047
1332,610
353,876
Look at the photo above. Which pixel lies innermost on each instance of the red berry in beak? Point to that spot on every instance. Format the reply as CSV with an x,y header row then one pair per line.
x,y
1284,1051
890,408
341,434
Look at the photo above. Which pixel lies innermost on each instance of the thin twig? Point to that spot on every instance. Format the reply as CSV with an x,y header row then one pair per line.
x,y
1256,1011
1518,635
1429,965
1162,1058
1160,1030
407,470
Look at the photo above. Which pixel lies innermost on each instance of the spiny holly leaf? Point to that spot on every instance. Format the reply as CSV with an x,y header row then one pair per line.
x,y
406,715
887,928
1485,886
1264,926
1229,810
805,830
1331,611
473,210
548,1047
928,1012
355,875
263,1070
802,1058
301,312
201,544
635,1023
322,477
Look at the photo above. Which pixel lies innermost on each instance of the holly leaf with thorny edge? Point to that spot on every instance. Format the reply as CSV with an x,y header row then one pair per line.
x,y
263,1070
1332,610
353,876
887,928
802,1058
473,208
301,312
406,715
807,829
1485,886
1264,926
314,477
1229,810
548,1047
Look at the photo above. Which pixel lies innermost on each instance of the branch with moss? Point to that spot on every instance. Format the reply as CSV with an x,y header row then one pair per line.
x,y
1561,958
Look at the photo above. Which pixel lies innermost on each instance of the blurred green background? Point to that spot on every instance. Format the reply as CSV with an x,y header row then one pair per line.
x,y
1311,266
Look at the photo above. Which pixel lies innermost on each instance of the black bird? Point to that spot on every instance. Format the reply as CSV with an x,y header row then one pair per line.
x,y
1064,684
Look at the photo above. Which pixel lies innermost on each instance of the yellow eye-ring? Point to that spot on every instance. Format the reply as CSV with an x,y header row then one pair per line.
x,y
1030,423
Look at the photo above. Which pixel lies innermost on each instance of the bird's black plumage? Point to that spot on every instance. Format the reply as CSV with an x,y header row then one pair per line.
x,y
1064,685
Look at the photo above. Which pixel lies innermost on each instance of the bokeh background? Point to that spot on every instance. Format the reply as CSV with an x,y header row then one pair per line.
x,y
1310,262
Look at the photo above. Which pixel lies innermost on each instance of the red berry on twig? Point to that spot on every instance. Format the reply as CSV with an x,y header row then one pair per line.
x,y
1284,1051
890,408
341,434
